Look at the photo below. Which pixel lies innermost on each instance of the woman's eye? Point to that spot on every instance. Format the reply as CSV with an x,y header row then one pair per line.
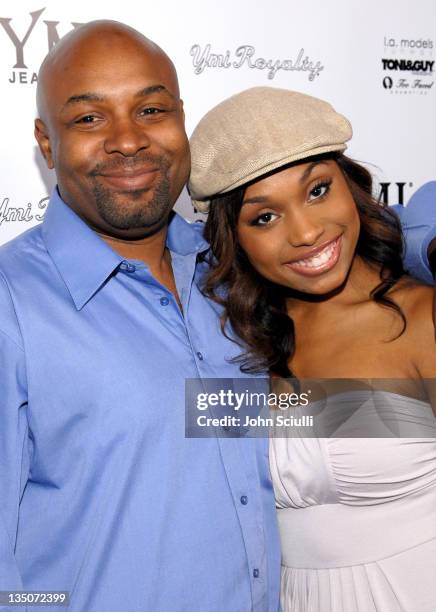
x,y
320,190
264,219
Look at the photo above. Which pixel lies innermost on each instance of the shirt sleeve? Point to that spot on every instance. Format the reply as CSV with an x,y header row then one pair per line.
x,y
418,219
14,438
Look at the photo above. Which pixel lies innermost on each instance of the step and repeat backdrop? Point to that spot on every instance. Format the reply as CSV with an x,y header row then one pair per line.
x,y
374,61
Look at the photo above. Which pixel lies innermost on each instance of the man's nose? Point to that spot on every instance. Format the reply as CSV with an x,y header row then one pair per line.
x,y
126,137
304,229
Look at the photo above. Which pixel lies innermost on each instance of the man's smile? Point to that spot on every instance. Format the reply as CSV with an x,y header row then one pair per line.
x,y
140,178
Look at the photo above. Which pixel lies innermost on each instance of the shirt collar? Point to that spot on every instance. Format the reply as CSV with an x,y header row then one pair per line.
x,y
85,261
184,237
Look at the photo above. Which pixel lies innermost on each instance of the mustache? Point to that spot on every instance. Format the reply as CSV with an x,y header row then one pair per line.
x,y
131,164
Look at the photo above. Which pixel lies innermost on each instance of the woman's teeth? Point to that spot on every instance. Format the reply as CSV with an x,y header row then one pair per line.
x,y
319,259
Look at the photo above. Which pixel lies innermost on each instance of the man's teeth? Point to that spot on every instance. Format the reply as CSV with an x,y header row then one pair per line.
x,y
318,260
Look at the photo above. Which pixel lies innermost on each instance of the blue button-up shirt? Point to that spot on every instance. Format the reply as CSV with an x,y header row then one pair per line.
x,y
101,494
418,220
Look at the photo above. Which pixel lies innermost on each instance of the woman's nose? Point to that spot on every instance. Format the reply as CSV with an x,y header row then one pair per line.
x,y
303,229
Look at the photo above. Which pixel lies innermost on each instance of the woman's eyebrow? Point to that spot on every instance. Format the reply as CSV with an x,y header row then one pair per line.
x,y
260,199
309,169
255,200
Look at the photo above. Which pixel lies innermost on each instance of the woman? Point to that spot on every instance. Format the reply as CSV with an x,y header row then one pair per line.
x,y
315,288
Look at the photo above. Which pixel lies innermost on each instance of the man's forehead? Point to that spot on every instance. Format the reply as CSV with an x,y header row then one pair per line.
x,y
94,59
105,59
104,85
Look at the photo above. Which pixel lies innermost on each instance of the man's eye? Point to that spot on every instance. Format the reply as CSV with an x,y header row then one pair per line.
x,y
320,190
264,219
86,119
152,110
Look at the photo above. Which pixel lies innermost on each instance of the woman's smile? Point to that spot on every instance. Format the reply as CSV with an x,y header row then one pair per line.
x,y
318,261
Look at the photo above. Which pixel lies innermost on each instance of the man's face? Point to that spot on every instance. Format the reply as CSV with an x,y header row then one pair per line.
x,y
116,136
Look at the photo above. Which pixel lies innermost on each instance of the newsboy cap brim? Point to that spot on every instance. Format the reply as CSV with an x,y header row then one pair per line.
x,y
258,131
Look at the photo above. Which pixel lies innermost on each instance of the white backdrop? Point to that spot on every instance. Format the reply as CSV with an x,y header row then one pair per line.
x,y
374,61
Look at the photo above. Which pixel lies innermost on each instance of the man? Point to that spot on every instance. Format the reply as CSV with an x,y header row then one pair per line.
x,y
102,322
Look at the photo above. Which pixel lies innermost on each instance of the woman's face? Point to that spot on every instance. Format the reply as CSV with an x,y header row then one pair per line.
x,y
299,227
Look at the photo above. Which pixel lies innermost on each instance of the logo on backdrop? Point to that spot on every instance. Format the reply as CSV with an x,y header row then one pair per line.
x,y
20,72
245,56
394,193
408,65
411,70
31,212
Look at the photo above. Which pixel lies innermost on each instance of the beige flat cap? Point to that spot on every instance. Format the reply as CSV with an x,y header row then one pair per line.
x,y
256,131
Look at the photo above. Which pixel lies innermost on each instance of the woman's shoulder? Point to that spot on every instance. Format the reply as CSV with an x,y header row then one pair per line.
x,y
416,302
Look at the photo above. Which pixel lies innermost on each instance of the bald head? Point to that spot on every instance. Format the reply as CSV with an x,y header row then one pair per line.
x,y
80,46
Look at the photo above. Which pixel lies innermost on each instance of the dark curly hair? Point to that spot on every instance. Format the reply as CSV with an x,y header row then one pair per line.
x,y
256,307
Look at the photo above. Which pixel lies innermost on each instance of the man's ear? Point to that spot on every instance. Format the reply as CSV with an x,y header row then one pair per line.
x,y
43,139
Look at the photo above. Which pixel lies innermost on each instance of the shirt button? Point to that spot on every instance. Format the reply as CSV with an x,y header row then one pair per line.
x,y
130,267
256,573
244,500
200,356
164,301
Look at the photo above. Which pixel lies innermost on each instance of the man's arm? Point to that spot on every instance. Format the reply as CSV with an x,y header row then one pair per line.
x,y
431,253
418,219
14,440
